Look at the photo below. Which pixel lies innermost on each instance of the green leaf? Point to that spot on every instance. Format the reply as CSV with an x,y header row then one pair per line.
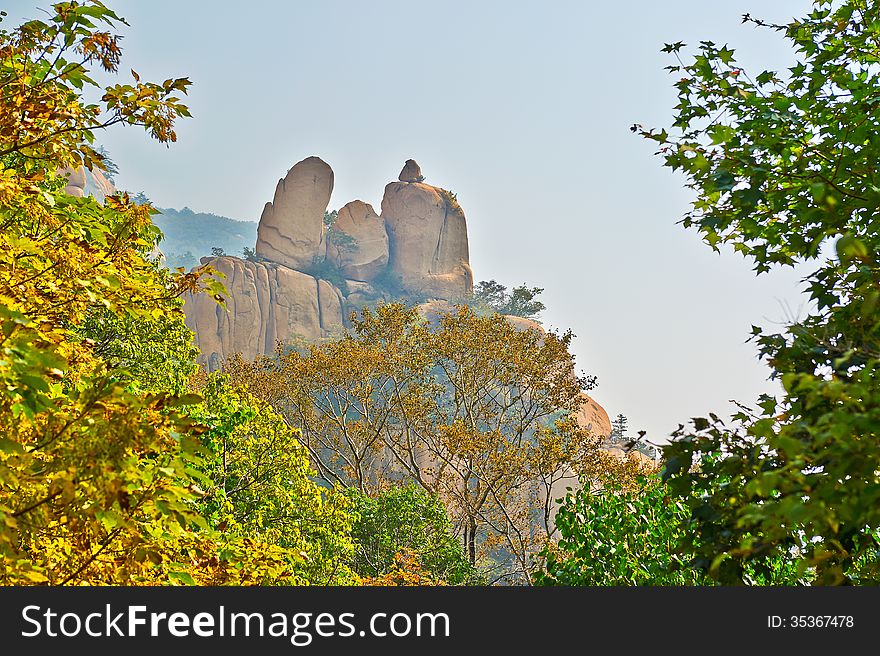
x,y
183,577
850,248
10,446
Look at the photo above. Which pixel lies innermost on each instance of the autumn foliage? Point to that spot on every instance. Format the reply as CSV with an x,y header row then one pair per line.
x,y
102,467
466,407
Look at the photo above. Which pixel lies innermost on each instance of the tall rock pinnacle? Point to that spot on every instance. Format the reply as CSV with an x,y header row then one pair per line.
x,y
427,235
291,230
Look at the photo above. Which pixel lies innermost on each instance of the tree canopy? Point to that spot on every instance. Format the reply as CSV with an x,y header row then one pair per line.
x,y
521,301
404,521
468,408
783,168
103,465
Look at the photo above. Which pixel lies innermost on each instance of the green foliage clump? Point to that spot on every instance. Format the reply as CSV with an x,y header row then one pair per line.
x,y
521,301
153,354
617,536
783,165
323,268
407,519
342,241
261,486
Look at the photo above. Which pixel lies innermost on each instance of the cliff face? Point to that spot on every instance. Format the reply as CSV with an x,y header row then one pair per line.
x,y
267,303
417,246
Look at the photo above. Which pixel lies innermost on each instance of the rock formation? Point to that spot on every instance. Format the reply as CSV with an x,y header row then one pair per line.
x,y
418,244
418,248
266,303
363,254
411,172
291,230
592,417
427,235
82,182
76,181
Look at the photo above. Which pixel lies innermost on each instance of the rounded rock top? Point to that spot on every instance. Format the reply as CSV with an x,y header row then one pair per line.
x,y
411,172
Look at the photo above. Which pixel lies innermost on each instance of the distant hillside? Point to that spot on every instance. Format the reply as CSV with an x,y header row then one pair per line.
x,y
190,235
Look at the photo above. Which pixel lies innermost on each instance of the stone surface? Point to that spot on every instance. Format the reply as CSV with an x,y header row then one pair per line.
x,y
522,323
360,287
330,304
266,303
368,255
99,186
592,417
357,301
428,244
76,181
434,310
81,182
291,230
622,452
411,172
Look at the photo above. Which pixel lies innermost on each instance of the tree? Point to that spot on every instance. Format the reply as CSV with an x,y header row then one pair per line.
x,y
783,166
260,487
403,520
342,241
406,571
42,84
628,533
110,167
618,427
95,483
492,296
216,251
523,302
470,409
151,354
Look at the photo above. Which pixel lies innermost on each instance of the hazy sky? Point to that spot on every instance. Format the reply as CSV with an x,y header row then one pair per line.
x,y
523,110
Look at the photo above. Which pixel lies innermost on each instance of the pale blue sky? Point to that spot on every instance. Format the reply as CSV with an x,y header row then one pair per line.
x,y
523,110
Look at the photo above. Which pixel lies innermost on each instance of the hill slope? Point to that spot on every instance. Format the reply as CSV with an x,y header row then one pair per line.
x,y
190,235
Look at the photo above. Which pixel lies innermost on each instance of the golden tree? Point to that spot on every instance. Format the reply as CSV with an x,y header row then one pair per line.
x,y
470,408
96,480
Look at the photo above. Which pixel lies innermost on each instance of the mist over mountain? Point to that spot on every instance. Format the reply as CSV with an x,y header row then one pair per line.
x,y
189,235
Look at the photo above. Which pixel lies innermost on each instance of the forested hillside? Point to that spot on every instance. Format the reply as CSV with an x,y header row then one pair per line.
x,y
188,235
